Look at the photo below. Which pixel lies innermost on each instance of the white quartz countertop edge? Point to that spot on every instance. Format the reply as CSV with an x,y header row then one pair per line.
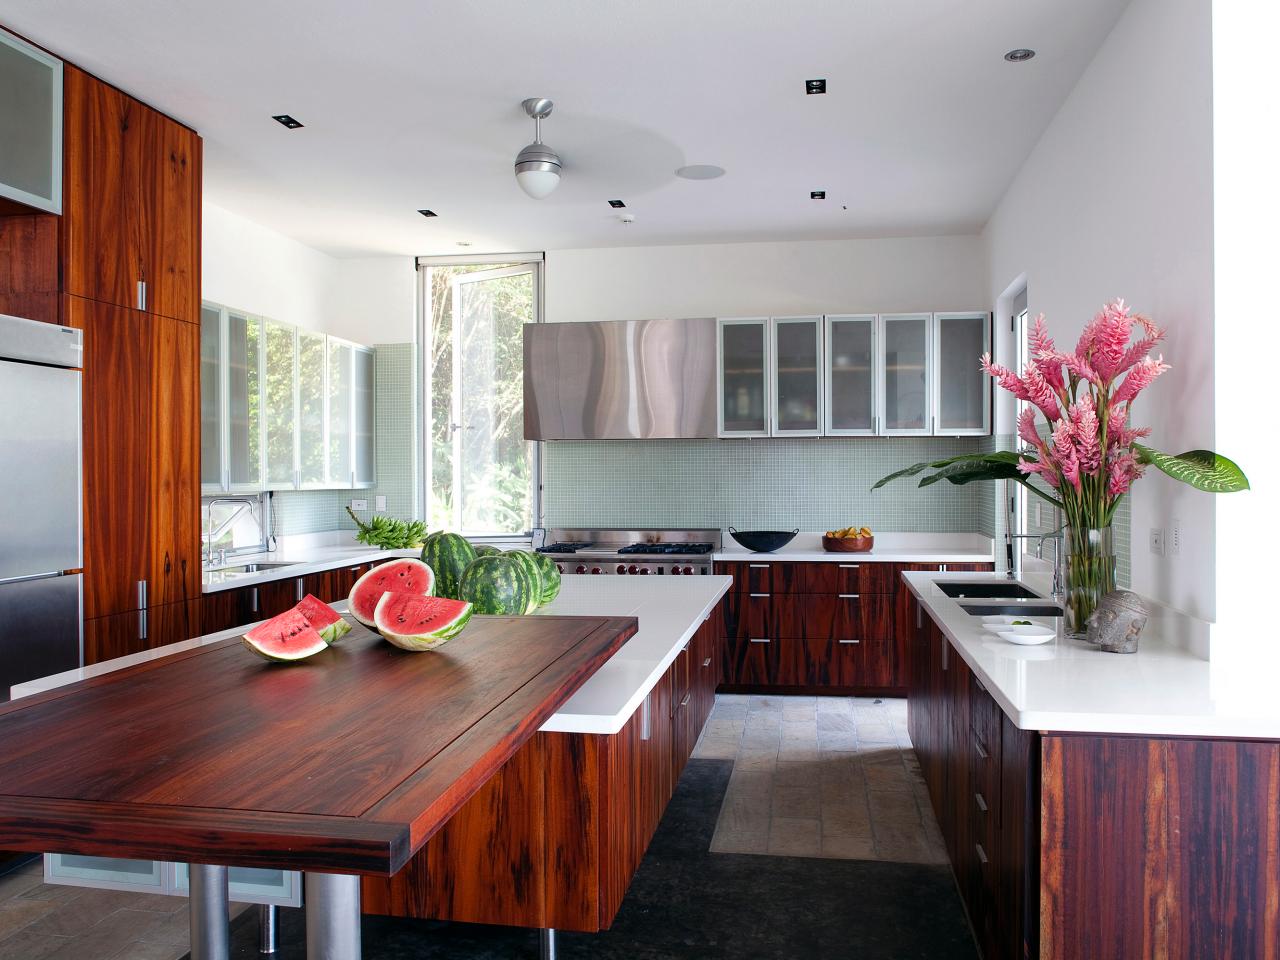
x,y
669,613
1162,690
902,555
302,561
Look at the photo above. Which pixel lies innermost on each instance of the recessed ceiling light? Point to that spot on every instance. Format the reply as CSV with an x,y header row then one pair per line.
x,y
815,86
700,171
817,194
617,204
1021,55
464,243
427,213
286,120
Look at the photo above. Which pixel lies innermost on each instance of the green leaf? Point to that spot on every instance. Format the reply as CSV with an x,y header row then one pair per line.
x,y
1000,456
1202,469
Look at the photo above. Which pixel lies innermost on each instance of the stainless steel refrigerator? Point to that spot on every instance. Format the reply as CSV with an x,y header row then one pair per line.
x,y
41,625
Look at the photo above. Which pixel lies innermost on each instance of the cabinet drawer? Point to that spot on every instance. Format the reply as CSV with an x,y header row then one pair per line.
x,y
851,616
754,661
748,615
750,577
847,577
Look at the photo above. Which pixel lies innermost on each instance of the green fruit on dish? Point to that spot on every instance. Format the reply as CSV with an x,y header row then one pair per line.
x,y
412,621
530,564
550,576
448,555
497,585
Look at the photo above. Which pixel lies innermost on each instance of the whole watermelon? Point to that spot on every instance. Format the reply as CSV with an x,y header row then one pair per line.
x,y
526,559
550,576
448,554
497,584
486,550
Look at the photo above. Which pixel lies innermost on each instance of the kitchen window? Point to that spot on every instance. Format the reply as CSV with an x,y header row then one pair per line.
x,y
481,474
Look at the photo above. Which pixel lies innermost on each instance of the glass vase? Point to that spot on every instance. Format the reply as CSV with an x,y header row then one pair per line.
x,y
1090,574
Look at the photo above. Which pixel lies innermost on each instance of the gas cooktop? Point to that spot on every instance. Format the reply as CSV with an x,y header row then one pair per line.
x,y
674,552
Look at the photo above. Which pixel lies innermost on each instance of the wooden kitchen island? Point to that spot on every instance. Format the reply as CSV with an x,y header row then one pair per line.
x,y
341,766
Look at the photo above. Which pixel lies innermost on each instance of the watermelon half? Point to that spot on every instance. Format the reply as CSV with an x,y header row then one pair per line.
x,y
325,620
448,555
396,576
286,638
411,621
498,585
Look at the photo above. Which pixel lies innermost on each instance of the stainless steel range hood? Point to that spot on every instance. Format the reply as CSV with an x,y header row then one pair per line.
x,y
620,380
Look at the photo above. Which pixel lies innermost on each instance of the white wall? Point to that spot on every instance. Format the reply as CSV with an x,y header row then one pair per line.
x,y
1117,200
737,279
252,268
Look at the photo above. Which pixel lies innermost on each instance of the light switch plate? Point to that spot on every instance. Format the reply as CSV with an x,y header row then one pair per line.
x,y
359,504
380,503
1156,540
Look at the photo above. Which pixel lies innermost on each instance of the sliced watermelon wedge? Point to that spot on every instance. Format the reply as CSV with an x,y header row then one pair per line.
x,y
285,638
325,620
396,576
411,621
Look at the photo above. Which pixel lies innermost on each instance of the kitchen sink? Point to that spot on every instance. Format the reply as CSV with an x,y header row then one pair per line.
x,y
1013,608
986,588
257,567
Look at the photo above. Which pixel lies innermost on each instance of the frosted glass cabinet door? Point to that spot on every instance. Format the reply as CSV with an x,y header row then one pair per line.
x,y
744,377
279,401
282,888
963,391
212,478
244,402
108,873
312,360
851,380
340,400
30,125
362,416
797,376
906,368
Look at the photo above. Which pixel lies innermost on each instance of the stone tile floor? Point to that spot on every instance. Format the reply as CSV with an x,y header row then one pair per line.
x,y
820,777
41,921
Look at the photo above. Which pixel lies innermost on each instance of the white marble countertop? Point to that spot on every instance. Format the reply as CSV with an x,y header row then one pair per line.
x,y
889,548
669,609
1072,686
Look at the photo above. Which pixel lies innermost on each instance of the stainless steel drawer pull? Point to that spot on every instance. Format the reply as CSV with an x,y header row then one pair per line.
x,y
981,801
848,641
142,624
759,640
982,751
979,685
142,295
253,599
850,566
758,566
646,719
706,662
982,854
850,596
758,594
142,594
299,589
685,701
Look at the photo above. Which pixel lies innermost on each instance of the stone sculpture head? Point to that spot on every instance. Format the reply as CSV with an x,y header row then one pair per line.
x,y
1118,621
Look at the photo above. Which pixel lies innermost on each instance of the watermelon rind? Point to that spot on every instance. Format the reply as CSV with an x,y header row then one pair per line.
x,y
325,620
526,559
448,554
550,576
497,585
405,575
415,622
286,638
486,550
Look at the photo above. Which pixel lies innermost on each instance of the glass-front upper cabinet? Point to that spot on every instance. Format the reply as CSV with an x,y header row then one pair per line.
x,y
743,370
797,376
244,407
213,478
905,374
280,405
851,343
30,125
312,359
362,417
962,392
341,468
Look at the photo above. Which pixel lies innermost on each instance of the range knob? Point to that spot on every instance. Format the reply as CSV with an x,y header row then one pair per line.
x,y
688,570
581,569
674,571
633,569
644,570
622,568
560,567
596,570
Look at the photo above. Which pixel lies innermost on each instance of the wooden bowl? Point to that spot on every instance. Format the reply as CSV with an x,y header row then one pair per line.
x,y
848,544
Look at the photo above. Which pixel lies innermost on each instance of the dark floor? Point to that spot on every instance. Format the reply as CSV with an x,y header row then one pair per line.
x,y
688,902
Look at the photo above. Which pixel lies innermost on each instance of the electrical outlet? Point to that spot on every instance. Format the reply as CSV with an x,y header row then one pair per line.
x,y
380,504
1156,540
359,505
1175,537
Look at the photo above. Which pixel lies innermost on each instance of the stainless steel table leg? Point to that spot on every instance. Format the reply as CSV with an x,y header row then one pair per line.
x,y
210,929
333,916
546,944
268,934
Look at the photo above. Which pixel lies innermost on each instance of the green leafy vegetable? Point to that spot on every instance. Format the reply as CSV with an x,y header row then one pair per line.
x,y
388,533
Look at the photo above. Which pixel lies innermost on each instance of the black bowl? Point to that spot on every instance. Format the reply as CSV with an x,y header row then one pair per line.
x,y
763,541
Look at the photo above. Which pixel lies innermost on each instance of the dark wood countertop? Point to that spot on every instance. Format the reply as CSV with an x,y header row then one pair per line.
x,y
347,762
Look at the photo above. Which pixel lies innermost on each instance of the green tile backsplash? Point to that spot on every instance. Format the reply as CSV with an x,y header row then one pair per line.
x,y
813,484
396,445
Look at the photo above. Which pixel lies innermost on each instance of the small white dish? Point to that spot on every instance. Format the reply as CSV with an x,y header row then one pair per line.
x,y
1028,636
1000,618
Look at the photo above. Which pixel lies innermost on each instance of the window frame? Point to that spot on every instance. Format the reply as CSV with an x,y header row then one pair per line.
x,y
423,266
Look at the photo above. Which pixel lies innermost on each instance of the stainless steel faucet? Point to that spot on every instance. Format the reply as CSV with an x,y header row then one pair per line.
x,y
211,534
1056,537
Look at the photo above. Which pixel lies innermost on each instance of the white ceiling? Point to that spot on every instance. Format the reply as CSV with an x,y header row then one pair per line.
x,y
417,104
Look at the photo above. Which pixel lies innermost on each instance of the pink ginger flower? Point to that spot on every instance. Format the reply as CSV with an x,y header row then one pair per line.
x,y
1123,471
1031,466
1027,428
1078,366
1007,379
1084,433
1038,338
1141,376
1064,454
1110,340
1051,371
1040,392
1138,351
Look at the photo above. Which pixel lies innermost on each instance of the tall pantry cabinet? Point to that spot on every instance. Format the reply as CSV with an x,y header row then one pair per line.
x,y
125,269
